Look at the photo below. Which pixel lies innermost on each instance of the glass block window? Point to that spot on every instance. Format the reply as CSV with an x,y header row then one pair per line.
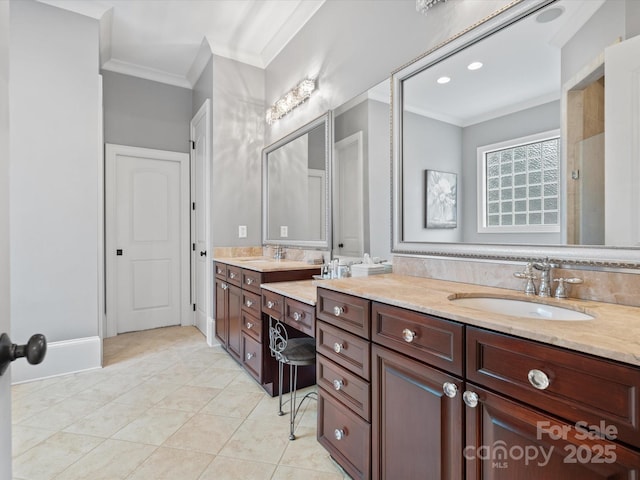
x,y
519,185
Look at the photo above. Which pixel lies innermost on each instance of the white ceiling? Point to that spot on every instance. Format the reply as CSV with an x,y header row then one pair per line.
x,y
162,40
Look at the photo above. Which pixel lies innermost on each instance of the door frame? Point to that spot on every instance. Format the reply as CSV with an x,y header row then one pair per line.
x,y
112,151
203,113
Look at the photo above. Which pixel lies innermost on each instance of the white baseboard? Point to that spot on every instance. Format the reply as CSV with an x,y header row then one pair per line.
x,y
212,341
67,356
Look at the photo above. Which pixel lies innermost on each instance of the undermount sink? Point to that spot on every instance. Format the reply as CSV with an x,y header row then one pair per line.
x,y
257,260
521,308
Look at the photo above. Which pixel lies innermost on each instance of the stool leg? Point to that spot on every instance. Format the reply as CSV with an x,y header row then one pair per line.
x,y
293,387
280,374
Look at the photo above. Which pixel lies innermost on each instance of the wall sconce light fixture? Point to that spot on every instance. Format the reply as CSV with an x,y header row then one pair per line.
x,y
423,5
290,100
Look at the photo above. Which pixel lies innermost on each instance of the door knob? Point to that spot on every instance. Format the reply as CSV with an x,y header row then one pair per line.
x,y
34,350
203,254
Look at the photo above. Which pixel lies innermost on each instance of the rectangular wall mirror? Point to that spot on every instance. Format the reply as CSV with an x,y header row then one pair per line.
x,y
499,145
296,171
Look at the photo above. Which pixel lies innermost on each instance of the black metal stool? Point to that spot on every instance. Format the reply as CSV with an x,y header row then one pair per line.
x,y
294,352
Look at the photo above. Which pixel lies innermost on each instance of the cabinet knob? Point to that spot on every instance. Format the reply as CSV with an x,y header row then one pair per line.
x,y
248,303
297,316
248,280
232,275
270,304
337,384
450,389
538,379
408,335
337,347
337,311
339,434
250,356
224,286
471,399
249,325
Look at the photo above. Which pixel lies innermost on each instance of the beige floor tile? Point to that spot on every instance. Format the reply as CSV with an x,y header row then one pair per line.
x,y
172,464
111,388
111,460
52,456
62,414
23,407
245,383
107,420
224,468
258,441
306,452
215,378
189,398
204,433
148,393
154,426
231,403
23,438
290,473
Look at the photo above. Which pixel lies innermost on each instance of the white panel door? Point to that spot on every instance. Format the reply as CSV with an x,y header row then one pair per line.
x,y
201,268
316,214
147,207
622,143
349,222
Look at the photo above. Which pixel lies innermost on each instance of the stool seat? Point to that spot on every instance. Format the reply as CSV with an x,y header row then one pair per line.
x,y
299,351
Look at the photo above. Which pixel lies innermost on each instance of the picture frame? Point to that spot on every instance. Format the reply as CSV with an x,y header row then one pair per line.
x,y
441,199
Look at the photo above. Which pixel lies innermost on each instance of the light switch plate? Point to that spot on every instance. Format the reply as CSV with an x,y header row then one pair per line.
x,y
284,231
242,231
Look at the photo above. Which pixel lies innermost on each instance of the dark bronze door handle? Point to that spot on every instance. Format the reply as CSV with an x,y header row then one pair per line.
x,y
34,350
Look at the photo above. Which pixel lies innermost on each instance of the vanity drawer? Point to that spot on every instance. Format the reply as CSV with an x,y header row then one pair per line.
x,y
251,302
344,311
346,349
345,435
220,270
432,340
344,386
581,388
234,275
252,356
300,316
251,280
252,325
272,304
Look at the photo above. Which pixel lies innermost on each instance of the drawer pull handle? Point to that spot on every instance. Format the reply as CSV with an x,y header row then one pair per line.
x,y
250,356
408,335
337,384
337,347
232,275
249,325
471,399
450,389
271,304
248,303
248,280
224,286
219,270
538,379
337,311
297,316
339,433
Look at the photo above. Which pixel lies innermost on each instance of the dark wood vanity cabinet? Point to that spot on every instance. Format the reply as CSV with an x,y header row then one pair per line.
x,y
228,311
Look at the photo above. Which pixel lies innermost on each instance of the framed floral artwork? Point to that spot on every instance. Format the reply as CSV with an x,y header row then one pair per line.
x,y
441,199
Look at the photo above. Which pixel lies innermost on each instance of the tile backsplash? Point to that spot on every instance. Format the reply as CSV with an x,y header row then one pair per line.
x,y
603,286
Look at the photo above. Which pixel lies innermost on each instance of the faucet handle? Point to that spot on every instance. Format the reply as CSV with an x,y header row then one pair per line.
x,y
528,275
561,290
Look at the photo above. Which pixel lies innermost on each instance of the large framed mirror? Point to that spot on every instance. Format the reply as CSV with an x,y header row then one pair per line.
x,y
498,138
296,200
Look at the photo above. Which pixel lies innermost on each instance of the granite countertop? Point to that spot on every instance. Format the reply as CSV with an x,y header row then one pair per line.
x,y
614,333
304,291
266,264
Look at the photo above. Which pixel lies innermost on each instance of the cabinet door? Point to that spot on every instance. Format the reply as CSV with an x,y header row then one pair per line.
x,y
416,428
507,440
222,321
234,313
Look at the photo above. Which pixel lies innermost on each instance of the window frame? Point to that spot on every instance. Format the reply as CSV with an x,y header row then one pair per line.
x,y
482,152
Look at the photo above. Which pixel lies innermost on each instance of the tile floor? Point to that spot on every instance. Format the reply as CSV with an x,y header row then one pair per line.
x,y
165,406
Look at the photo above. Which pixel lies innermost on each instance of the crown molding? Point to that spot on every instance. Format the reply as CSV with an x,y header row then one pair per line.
x,y
152,74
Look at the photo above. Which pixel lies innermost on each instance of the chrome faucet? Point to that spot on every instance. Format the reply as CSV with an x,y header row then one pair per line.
x,y
545,277
278,253
528,275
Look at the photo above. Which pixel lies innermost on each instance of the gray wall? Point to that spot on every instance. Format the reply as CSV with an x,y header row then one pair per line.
x,y
5,380
203,88
526,122
55,173
143,113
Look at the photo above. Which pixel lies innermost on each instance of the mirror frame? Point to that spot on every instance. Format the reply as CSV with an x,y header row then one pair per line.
x,y
325,244
589,256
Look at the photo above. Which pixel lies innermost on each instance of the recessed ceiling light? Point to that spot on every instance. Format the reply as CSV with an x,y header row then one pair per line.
x,y
443,80
549,15
474,65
